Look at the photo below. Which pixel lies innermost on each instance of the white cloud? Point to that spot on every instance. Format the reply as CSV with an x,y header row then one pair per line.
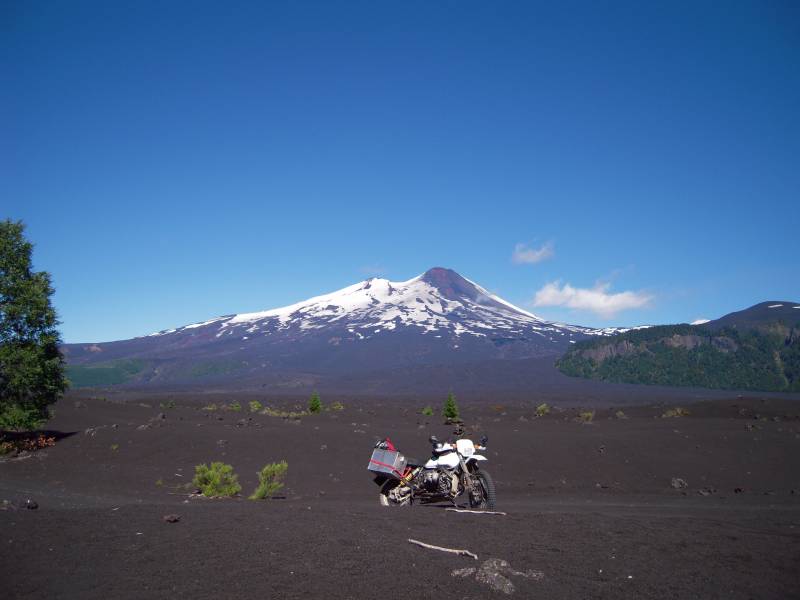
x,y
524,255
598,299
700,321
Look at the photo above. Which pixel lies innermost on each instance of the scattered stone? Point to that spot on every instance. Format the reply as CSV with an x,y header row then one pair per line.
x,y
523,419
323,447
601,449
707,491
30,504
494,571
678,484
738,490
79,404
161,416
466,572
115,426
143,427
222,443
172,518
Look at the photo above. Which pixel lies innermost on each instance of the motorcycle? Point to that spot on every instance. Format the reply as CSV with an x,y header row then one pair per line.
x,y
453,470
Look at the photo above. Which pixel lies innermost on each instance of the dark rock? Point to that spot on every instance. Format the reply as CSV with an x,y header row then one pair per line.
x,y
30,504
172,518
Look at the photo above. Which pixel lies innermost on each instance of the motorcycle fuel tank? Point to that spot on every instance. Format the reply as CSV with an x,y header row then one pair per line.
x,y
447,461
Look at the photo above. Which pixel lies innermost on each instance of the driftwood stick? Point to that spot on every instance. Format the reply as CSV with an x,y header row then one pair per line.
x,y
451,550
476,512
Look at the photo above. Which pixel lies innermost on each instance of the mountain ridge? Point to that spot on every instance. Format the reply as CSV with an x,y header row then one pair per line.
x,y
438,317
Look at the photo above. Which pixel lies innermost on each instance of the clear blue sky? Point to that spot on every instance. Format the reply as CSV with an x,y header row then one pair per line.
x,y
177,161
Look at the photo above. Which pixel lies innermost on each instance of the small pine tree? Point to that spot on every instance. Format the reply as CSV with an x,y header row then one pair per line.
x,y
269,480
216,481
450,410
314,403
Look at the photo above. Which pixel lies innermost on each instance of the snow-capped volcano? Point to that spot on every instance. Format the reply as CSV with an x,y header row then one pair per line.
x,y
437,318
439,301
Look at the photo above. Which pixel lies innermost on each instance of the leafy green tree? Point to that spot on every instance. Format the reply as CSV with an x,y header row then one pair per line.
x,y
314,403
450,410
31,365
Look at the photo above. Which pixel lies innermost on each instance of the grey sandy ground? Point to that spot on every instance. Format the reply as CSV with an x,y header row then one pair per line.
x,y
590,508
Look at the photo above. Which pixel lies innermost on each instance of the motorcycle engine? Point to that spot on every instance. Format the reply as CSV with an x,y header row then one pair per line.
x,y
437,481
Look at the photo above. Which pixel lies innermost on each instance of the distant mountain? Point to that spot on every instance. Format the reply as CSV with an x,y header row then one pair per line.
x,y
753,349
437,318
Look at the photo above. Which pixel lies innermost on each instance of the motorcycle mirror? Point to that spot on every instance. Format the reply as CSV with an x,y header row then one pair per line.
x,y
433,439
484,439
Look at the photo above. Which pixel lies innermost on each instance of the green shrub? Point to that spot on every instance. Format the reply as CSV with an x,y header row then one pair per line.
x,y
427,411
620,415
337,406
675,412
543,409
114,447
168,404
256,406
235,406
215,481
586,416
450,409
314,403
269,480
210,407
284,414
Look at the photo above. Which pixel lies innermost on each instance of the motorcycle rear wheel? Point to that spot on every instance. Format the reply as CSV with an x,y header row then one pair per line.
x,y
383,495
487,497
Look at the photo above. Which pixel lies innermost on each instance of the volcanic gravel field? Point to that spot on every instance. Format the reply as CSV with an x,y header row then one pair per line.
x,y
593,511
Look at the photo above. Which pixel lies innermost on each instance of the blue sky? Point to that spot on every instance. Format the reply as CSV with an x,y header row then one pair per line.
x,y
174,162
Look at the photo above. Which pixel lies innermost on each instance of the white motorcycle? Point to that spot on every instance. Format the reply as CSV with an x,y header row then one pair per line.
x,y
453,470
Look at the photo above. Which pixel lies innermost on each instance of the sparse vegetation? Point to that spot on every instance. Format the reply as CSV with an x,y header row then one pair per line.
x,y
269,480
284,414
216,481
620,415
114,447
234,406
543,409
336,405
210,407
159,482
256,406
585,416
314,403
675,412
168,404
450,409
427,411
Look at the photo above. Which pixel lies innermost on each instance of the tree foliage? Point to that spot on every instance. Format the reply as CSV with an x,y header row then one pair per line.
x,y
450,409
765,359
31,365
314,403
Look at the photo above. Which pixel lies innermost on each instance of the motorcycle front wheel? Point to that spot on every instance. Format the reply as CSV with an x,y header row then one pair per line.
x,y
387,499
483,496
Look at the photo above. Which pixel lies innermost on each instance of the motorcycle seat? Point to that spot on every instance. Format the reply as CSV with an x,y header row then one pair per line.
x,y
413,462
